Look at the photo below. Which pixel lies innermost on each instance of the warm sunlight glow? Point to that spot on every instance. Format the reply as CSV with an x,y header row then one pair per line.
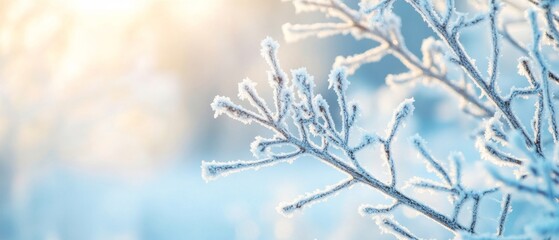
x,y
105,6
195,12
198,7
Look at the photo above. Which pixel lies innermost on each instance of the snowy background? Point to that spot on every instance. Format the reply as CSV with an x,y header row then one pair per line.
x,y
105,119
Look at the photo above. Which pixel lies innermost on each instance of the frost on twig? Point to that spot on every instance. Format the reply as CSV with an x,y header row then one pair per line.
x,y
389,225
212,170
432,164
367,209
311,198
504,213
404,111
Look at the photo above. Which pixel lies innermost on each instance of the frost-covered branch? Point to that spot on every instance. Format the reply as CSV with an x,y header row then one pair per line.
x,y
544,76
496,46
310,111
377,22
520,152
450,37
551,19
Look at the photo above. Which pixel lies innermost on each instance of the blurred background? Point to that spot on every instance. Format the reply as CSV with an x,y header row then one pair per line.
x,y
105,118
